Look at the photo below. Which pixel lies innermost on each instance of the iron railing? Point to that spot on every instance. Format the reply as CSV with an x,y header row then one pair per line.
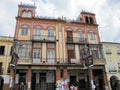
x,y
44,38
76,40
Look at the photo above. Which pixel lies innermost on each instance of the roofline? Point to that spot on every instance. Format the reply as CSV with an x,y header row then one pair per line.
x,y
111,42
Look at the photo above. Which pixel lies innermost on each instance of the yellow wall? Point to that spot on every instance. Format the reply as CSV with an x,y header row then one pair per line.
x,y
6,58
114,57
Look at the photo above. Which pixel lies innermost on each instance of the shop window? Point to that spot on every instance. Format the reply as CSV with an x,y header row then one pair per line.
x,y
2,50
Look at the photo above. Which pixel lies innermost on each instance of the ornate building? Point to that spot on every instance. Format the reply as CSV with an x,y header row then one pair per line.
x,y
54,50
6,44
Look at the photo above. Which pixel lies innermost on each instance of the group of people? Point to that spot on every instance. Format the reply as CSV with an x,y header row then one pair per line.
x,y
73,87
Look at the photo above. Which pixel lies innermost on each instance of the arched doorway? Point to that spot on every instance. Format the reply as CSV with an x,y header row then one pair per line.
x,y
114,81
1,83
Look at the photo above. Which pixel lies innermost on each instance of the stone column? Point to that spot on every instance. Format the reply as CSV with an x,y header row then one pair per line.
x,y
11,84
65,73
58,76
29,79
65,78
105,80
92,86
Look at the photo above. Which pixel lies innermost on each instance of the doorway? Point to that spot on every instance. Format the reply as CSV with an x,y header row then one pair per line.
x,y
114,81
73,80
33,84
42,81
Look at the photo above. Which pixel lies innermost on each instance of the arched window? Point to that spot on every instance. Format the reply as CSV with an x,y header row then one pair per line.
x,y
24,30
50,32
80,34
37,31
92,35
91,20
24,14
29,14
86,19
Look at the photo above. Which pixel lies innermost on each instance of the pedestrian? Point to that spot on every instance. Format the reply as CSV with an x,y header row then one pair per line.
x,y
72,87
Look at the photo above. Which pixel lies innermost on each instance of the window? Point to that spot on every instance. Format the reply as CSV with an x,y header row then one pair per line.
x,y
95,54
80,32
111,67
118,50
27,14
2,50
22,52
36,55
37,31
107,50
50,33
24,30
92,35
51,53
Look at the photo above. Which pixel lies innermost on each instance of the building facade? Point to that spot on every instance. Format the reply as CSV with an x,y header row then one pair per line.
x,y
54,52
6,44
112,55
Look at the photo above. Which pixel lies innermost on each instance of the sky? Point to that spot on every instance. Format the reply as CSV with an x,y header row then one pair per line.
x,y
107,14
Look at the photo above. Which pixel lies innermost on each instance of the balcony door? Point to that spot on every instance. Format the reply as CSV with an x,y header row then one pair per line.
x,y
36,55
71,55
69,36
51,56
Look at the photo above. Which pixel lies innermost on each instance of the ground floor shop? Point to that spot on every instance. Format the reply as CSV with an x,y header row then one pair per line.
x,y
59,77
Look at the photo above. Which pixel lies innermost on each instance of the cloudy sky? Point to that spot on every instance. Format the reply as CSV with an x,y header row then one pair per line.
x,y
107,14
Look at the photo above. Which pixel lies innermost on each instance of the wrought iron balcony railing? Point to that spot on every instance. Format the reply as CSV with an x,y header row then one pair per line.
x,y
44,38
55,61
76,40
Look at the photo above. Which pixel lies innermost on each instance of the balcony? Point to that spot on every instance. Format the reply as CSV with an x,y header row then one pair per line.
x,y
99,61
48,61
76,40
44,38
56,61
